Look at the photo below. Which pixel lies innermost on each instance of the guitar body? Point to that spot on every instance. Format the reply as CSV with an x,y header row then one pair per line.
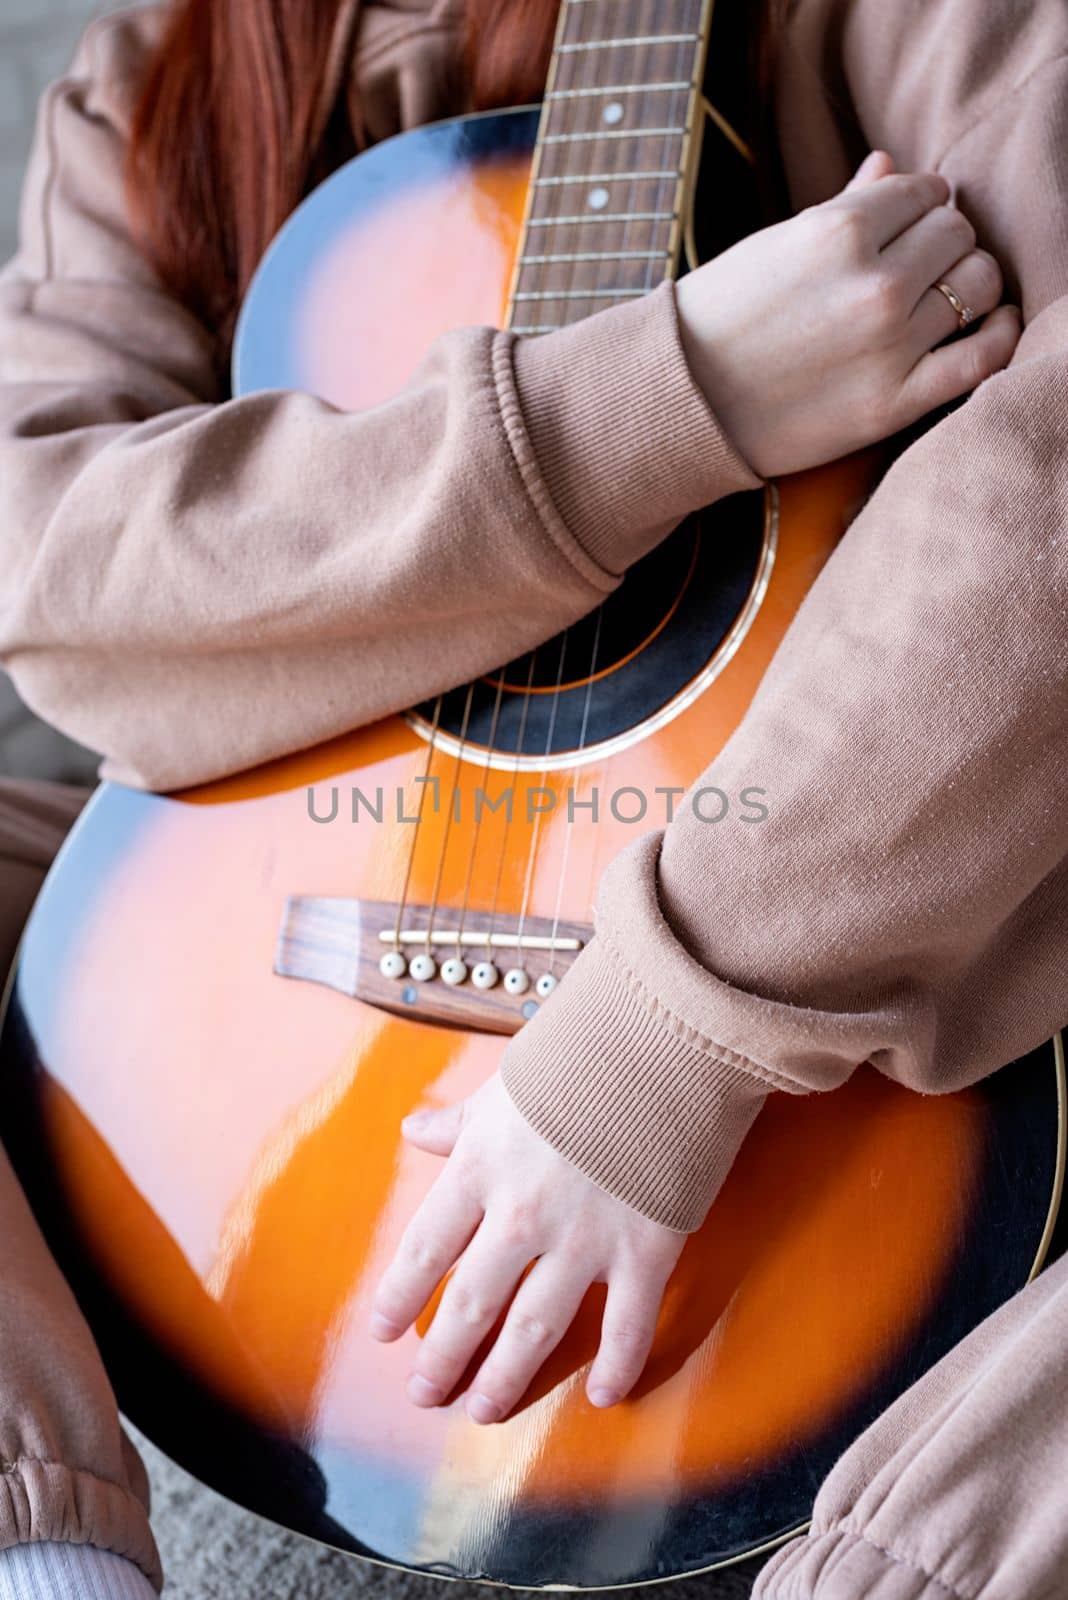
x,y
204,1068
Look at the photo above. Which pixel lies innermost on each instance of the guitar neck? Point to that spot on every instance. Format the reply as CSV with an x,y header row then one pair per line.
x,y
608,181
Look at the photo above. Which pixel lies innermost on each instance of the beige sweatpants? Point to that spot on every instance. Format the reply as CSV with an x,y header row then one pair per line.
x,y
959,1490
67,1469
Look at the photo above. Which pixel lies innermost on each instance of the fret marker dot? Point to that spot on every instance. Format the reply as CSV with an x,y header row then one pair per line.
x,y
613,112
597,199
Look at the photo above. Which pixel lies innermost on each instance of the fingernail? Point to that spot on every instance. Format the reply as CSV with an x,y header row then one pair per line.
x,y
604,1397
382,1328
480,1408
415,1119
422,1391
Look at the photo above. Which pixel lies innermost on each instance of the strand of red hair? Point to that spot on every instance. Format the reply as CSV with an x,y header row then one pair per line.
x,y
226,139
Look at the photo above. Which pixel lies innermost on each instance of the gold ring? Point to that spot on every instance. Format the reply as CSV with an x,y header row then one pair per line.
x,y
965,314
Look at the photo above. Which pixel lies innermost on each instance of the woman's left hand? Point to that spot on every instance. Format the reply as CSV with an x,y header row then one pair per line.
x,y
505,1199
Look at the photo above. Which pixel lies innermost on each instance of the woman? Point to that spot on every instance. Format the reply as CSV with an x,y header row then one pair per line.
x,y
168,550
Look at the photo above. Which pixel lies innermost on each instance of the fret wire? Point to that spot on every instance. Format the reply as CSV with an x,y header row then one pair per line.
x,y
578,294
615,44
620,88
656,176
578,83
614,133
593,255
603,216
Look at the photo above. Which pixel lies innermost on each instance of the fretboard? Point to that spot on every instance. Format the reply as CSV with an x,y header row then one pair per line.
x,y
603,219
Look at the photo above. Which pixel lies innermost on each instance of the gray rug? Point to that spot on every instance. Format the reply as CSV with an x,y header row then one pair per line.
x,y
213,1551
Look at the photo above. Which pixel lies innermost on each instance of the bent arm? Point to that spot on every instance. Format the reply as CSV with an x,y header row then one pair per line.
x,y
192,587
905,900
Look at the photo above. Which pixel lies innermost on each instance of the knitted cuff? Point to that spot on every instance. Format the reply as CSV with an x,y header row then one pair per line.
x,y
62,1571
623,437
628,1095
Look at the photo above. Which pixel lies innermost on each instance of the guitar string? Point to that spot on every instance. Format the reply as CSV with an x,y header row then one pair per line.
x,y
581,80
443,852
502,856
676,132
562,878
539,282
629,29
486,769
423,787
451,804
532,849
649,271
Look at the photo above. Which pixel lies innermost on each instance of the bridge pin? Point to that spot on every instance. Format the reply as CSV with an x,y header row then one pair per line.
x,y
516,981
454,970
484,975
545,984
422,968
393,965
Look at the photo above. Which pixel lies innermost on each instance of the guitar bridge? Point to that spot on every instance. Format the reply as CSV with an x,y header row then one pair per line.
x,y
484,971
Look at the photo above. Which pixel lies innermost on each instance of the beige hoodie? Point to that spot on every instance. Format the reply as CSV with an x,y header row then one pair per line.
x,y
905,902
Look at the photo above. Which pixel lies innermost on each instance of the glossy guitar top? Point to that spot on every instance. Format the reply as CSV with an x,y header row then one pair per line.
x,y
205,1069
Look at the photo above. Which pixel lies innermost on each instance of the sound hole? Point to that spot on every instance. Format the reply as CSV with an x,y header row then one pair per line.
x,y
624,664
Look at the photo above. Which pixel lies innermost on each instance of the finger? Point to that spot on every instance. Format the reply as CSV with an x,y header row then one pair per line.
x,y
926,251
975,279
630,1315
541,1313
474,1298
435,1131
877,164
437,1234
894,203
955,369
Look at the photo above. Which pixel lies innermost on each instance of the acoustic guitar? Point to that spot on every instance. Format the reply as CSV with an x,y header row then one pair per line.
x,y
227,999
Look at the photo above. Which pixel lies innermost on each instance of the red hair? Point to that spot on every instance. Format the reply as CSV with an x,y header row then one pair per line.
x,y
227,135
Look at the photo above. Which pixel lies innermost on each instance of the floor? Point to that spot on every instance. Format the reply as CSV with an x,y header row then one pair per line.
x,y
210,1549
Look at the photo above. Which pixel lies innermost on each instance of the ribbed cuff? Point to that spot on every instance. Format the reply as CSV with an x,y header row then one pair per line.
x,y
55,1571
621,1091
636,1069
842,1565
623,437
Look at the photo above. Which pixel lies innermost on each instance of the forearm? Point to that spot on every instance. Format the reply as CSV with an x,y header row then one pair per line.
x,y
194,584
913,737
903,902
302,571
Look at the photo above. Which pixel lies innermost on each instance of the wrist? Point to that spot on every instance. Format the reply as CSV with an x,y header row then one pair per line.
x,y
622,435
638,1104
708,343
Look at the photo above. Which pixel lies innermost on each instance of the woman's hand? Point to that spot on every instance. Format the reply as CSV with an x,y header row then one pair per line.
x,y
505,1199
818,336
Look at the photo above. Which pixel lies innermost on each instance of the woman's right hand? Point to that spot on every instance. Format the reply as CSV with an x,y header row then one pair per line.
x,y
824,333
